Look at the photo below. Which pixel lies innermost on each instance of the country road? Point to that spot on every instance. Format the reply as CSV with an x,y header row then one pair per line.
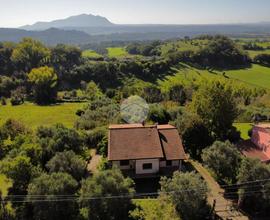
x,y
224,207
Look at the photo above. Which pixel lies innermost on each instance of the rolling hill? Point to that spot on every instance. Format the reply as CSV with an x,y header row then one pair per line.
x,y
83,20
50,36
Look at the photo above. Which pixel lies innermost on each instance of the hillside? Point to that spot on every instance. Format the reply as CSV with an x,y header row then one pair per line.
x,y
83,20
50,36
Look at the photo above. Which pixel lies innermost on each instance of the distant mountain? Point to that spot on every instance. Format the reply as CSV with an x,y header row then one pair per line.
x,y
50,36
83,20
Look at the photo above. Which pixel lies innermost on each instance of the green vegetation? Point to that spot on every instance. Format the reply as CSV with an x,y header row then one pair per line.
x,y
33,115
223,159
244,129
5,184
254,53
257,76
188,205
117,52
90,54
203,86
153,209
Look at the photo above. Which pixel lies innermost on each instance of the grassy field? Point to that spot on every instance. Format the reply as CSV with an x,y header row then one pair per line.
x,y
253,53
90,54
186,74
243,128
256,75
117,52
33,115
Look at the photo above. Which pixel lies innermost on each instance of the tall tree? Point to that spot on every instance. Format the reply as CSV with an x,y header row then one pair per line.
x,y
189,194
19,170
214,103
194,133
224,160
107,183
51,188
58,139
6,65
29,54
254,170
67,162
44,81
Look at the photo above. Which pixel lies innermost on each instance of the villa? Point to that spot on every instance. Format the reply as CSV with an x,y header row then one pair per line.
x,y
144,150
259,145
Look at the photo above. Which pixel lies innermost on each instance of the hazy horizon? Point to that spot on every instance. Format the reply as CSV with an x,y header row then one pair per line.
x,y
15,13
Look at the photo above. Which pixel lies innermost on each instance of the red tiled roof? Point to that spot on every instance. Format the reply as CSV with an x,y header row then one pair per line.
x,y
249,149
171,143
135,141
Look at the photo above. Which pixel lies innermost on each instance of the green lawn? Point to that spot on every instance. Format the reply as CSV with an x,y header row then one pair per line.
x,y
90,54
117,52
186,74
33,115
253,53
243,128
256,75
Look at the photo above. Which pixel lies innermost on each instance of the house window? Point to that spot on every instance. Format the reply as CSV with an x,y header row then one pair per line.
x,y
168,163
124,162
147,166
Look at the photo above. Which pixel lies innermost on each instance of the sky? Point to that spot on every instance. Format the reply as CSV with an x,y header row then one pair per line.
x,y
15,13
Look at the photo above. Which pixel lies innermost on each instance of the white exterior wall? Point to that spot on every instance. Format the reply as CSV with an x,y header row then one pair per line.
x,y
175,163
127,167
139,166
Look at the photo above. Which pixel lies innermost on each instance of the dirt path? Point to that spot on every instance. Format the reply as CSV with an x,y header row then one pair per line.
x,y
95,159
224,207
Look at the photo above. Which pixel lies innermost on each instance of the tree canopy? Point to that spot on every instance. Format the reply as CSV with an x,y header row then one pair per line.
x,y
107,183
215,104
188,192
50,187
44,81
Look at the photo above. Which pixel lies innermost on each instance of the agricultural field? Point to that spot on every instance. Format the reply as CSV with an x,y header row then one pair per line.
x,y
90,54
117,52
185,74
33,115
258,76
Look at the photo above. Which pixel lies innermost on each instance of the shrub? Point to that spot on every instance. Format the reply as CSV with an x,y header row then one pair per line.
x,y
3,101
224,160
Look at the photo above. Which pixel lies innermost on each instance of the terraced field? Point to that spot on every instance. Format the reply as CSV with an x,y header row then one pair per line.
x,y
257,75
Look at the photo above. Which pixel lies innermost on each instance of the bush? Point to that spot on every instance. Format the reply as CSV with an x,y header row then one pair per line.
x,y
263,59
224,161
158,114
67,162
3,101
102,184
189,195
